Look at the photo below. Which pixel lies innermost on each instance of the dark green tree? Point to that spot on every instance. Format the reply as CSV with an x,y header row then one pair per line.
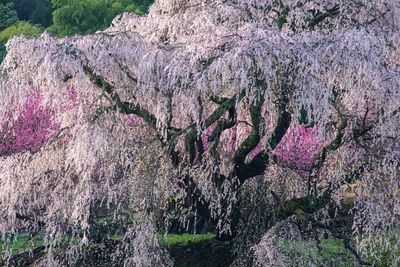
x,y
34,11
42,14
24,8
8,15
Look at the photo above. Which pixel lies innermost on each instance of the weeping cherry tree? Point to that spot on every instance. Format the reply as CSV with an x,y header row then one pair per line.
x,y
244,114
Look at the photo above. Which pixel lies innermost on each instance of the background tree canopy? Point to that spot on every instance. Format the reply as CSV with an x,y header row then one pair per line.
x,y
265,123
8,15
60,17
83,17
21,27
23,17
35,11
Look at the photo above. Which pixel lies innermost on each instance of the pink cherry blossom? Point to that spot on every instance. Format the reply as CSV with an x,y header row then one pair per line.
x,y
298,148
31,129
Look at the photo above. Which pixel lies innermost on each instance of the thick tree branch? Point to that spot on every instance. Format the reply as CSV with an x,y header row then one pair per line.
x,y
284,119
258,164
254,138
395,112
192,135
223,108
217,99
221,126
27,218
322,16
190,141
255,167
130,108
308,204
124,107
334,144
190,131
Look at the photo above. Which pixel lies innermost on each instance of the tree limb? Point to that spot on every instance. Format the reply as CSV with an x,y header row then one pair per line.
x,y
259,163
334,144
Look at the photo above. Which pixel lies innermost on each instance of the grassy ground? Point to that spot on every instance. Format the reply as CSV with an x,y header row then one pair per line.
x,y
333,253
330,253
21,243
178,244
387,252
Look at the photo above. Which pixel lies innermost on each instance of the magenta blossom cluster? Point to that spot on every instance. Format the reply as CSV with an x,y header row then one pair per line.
x,y
32,128
298,148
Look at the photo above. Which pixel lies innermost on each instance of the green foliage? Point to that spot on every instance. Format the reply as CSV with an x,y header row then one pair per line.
x,y
3,52
10,11
34,11
69,16
8,16
22,27
23,8
42,14
84,17
22,243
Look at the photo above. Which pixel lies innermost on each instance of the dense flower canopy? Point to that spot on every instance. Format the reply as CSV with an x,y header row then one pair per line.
x,y
247,70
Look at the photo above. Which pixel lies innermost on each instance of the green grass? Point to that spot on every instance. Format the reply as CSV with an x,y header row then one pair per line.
x,y
385,252
117,237
182,240
21,243
176,240
333,252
